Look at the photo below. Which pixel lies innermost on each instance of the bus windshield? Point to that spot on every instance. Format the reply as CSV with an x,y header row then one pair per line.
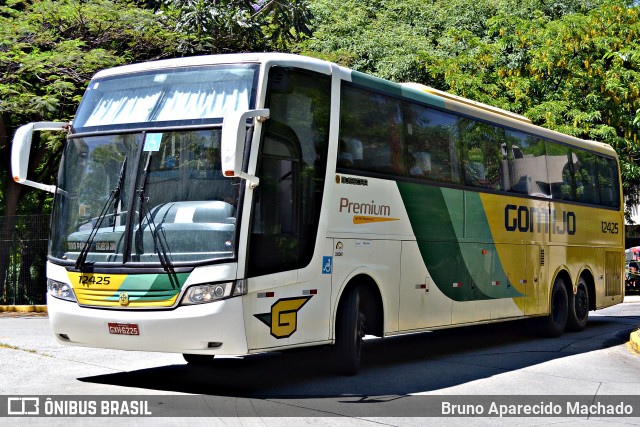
x,y
140,179
174,203
181,96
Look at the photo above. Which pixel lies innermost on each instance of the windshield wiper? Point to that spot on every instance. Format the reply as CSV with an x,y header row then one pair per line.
x,y
114,198
161,248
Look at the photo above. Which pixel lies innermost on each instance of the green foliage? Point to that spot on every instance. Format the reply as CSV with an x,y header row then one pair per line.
x,y
396,39
48,52
237,25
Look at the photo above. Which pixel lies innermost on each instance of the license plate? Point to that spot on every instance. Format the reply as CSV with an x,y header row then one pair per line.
x,y
123,329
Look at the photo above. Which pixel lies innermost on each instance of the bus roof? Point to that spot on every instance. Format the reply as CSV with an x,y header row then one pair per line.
x,y
414,91
232,58
447,95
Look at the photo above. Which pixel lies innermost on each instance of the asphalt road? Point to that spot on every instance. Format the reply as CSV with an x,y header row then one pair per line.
x,y
399,380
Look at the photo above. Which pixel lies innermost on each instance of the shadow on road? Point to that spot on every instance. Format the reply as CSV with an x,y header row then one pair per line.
x,y
391,366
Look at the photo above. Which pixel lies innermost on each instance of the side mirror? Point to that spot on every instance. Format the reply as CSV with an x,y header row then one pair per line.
x,y
234,133
21,149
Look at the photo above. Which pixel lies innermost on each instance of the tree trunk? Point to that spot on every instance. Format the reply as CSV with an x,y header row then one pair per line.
x,y
12,193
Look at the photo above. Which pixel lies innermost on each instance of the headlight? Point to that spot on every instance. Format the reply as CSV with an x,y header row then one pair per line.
x,y
60,290
210,292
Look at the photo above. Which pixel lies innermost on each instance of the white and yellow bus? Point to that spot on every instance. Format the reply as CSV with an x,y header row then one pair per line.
x,y
238,204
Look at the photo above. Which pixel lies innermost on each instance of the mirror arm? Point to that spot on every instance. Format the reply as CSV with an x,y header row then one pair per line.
x,y
234,132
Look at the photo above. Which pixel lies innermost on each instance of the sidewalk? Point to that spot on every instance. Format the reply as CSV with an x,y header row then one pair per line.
x,y
23,310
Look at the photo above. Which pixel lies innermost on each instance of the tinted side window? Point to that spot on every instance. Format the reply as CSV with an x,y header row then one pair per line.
x,y
371,132
561,166
585,177
479,148
431,148
291,168
607,182
524,165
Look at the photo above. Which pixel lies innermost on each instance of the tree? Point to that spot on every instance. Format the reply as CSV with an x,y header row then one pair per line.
x,y
394,39
224,26
578,74
48,52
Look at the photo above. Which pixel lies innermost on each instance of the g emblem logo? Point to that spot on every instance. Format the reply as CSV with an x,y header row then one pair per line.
x,y
124,298
283,319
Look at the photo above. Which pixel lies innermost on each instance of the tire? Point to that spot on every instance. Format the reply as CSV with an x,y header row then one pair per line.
x,y
198,359
554,325
350,324
579,308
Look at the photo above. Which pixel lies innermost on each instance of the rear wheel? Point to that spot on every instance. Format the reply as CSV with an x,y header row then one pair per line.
x,y
198,359
579,308
555,324
350,324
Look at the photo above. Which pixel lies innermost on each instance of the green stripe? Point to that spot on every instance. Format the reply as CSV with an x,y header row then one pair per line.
x,y
151,287
437,219
486,268
396,89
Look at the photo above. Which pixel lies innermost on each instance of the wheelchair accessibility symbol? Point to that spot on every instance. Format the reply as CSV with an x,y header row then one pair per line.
x,y
327,265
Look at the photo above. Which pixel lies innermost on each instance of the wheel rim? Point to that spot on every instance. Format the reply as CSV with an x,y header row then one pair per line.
x,y
581,303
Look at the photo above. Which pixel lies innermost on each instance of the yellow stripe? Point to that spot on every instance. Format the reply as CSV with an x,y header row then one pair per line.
x,y
363,219
96,282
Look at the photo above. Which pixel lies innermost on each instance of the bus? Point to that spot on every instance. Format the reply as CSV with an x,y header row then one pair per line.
x,y
246,203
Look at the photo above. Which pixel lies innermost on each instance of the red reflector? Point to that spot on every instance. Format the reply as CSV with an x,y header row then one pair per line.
x,y
313,292
229,173
457,285
266,294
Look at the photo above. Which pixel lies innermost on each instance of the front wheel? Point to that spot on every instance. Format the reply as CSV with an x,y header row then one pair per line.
x,y
350,324
579,308
554,325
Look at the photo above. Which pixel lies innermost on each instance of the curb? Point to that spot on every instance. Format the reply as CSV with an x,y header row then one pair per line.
x,y
634,341
26,309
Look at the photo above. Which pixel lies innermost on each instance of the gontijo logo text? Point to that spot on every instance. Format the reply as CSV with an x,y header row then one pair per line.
x,y
531,219
367,212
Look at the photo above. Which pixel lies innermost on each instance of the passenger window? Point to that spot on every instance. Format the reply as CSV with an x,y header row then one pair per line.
x,y
524,166
585,177
479,148
371,142
561,164
430,139
607,182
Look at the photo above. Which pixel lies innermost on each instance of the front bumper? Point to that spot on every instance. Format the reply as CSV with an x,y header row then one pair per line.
x,y
213,328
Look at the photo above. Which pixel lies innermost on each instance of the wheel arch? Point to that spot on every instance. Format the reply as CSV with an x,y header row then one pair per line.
x,y
589,279
562,273
370,300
